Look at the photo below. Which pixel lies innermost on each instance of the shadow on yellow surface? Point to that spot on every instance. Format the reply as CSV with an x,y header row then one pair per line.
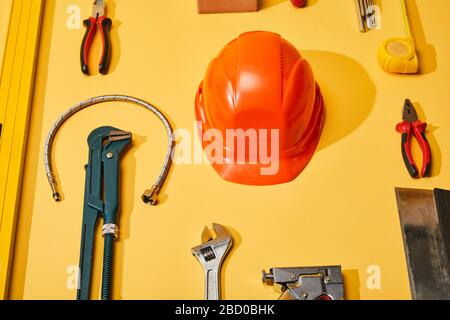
x,y
237,240
349,101
426,52
125,211
311,2
116,48
436,154
264,4
351,284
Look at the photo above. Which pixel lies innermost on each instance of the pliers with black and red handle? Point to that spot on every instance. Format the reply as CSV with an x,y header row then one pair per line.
x,y
412,126
101,22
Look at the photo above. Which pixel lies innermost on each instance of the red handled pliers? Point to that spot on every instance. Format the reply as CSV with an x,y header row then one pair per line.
x,y
101,22
412,126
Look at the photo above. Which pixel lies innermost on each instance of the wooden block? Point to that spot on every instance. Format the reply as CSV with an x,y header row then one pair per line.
x,y
224,6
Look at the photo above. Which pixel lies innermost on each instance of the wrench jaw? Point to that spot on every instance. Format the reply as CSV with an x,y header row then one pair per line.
x,y
223,236
211,254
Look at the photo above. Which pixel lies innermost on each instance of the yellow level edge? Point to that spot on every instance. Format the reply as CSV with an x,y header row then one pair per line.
x,y
16,91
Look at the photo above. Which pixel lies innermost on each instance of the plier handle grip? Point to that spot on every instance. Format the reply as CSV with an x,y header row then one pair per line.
x,y
101,22
412,126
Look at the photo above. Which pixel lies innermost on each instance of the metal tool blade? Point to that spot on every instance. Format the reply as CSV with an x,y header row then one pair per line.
x,y
409,113
98,9
360,13
371,15
424,235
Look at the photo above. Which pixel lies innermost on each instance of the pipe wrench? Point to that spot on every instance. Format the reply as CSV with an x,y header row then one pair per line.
x,y
211,254
101,200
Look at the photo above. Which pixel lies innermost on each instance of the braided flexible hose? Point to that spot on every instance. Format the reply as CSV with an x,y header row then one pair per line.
x,y
149,196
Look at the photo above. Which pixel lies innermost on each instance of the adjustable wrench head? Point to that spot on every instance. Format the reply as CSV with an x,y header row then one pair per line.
x,y
119,135
103,137
213,250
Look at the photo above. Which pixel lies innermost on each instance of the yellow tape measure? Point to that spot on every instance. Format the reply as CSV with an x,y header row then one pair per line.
x,y
399,55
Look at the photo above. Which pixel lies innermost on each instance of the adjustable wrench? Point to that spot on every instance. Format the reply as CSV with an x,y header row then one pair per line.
x,y
211,254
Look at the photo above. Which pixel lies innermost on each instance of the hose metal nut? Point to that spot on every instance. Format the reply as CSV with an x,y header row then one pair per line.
x,y
150,197
111,228
56,197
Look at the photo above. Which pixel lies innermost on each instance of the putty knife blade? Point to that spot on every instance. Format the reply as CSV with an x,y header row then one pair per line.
x,y
425,231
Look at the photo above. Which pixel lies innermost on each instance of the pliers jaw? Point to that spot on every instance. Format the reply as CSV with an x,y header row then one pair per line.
x,y
98,9
409,113
118,135
106,136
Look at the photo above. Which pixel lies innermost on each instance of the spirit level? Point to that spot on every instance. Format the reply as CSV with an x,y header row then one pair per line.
x,y
16,89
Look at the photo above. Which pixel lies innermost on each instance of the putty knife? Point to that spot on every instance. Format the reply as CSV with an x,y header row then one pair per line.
x,y
425,221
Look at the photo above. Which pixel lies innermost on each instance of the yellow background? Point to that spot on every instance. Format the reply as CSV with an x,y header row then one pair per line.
x,y
342,208
5,10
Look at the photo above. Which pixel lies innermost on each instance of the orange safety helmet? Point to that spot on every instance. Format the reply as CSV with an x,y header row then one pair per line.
x,y
260,81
